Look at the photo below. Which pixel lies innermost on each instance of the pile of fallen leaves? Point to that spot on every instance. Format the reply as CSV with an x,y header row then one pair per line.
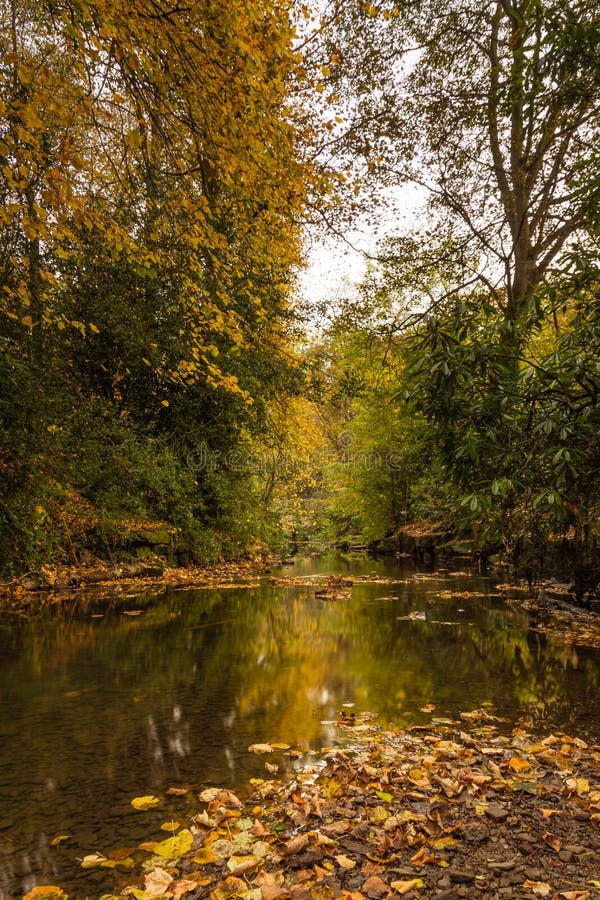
x,y
439,813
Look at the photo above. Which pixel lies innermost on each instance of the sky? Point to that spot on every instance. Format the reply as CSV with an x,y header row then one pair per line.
x,y
337,264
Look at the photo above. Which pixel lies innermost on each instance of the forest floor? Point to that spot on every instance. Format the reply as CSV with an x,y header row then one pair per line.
x,y
457,809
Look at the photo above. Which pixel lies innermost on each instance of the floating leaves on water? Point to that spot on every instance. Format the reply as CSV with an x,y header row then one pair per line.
x,y
95,860
170,826
59,839
425,709
147,802
92,860
260,748
177,792
46,892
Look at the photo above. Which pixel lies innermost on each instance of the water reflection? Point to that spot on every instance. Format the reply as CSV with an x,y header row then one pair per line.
x,y
96,711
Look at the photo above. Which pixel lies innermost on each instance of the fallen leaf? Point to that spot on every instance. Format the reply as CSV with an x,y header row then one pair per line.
x,y
205,857
519,765
443,842
548,813
375,887
145,802
92,860
574,895
581,785
157,882
387,798
46,892
345,862
296,845
541,888
403,887
242,865
177,792
176,846
170,826
426,709
58,840
181,887
260,748
552,841
231,887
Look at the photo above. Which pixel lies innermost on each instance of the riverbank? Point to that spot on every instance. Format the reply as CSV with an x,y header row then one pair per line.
x,y
457,809
55,583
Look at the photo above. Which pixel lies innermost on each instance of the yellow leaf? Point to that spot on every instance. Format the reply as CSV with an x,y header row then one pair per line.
x,y
93,328
260,748
205,856
581,785
177,845
46,892
57,841
92,860
145,802
170,826
519,765
403,887
27,321
443,842
164,403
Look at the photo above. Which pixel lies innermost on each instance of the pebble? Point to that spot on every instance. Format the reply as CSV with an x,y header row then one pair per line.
x,y
496,812
462,876
476,832
502,865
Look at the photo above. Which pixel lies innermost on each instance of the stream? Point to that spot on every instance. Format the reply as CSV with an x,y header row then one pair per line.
x,y
139,694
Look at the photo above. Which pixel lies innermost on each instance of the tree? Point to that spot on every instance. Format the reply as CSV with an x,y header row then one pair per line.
x,y
152,189
492,109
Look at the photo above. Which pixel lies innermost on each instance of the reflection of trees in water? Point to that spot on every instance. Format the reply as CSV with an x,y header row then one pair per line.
x,y
111,708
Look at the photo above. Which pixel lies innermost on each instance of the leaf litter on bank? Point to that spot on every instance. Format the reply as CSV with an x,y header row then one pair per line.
x,y
454,811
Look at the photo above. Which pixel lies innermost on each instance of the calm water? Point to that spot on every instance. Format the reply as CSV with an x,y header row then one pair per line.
x,y
100,708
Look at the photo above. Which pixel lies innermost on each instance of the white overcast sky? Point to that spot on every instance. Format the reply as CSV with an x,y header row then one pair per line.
x,y
337,264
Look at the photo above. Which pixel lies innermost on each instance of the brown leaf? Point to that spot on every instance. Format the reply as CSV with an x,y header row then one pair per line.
x,y
375,887
157,882
183,886
296,845
345,862
552,841
541,888
258,829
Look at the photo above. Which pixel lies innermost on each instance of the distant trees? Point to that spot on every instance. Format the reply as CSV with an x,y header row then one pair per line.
x,y
493,110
